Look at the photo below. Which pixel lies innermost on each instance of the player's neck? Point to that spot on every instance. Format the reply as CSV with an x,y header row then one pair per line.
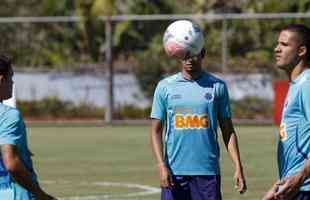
x,y
191,75
297,70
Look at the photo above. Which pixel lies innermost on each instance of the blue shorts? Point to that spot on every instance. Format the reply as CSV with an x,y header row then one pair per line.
x,y
15,192
302,195
194,188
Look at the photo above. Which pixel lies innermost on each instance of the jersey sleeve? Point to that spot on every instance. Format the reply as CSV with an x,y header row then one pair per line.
x,y
159,103
9,128
305,99
303,129
223,102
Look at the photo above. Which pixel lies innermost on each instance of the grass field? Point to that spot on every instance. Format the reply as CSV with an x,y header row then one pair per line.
x,y
94,163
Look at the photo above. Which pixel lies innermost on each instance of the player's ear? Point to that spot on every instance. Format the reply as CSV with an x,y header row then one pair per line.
x,y
302,51
203,52
2,77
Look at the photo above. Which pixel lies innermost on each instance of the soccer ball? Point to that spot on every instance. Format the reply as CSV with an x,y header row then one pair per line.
x,y
181,37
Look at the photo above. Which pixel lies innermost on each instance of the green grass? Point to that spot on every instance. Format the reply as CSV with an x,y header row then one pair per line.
x,y
69,160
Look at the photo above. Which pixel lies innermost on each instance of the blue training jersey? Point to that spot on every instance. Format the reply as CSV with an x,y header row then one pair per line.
x,y
294,134
13,131
190,110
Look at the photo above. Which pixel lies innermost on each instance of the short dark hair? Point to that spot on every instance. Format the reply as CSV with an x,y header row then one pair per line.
x,y
5,64
303,34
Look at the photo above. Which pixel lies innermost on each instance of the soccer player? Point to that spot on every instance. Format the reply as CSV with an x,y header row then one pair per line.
x,y
190,105
18,179
292,54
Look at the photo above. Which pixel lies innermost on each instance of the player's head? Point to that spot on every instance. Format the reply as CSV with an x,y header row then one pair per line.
x,y
193,63
6,74
293,46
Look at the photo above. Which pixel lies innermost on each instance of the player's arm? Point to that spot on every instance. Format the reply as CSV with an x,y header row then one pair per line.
x,y
19,172
305,173
229,136
156,140
231,144
157,147
230,141
158,115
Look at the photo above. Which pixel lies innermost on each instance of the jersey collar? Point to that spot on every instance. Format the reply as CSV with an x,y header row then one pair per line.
x,y
181,78
301,77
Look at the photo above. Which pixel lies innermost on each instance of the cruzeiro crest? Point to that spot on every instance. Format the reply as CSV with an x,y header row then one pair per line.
x,y
209,96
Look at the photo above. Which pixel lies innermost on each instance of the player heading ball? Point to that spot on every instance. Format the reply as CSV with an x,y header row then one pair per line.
x,y
190,105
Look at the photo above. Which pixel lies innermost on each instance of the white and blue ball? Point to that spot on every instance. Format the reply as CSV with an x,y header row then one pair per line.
x,y
181,37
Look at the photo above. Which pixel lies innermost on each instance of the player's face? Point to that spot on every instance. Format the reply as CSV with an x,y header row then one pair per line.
x,y
192,63
6,85
286,51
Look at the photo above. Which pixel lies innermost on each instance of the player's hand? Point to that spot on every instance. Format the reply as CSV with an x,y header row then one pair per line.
x,y
270,195
239,181
165,176
289,187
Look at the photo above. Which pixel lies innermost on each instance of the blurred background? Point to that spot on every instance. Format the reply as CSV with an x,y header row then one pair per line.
x,y
77,58
84,68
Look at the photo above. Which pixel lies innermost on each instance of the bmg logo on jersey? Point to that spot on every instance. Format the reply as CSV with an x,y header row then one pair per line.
x,y
191,121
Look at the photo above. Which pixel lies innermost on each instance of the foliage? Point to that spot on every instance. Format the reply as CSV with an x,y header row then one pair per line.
x,y
52,108
138,43
131,112
133,36
155,66
252,108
